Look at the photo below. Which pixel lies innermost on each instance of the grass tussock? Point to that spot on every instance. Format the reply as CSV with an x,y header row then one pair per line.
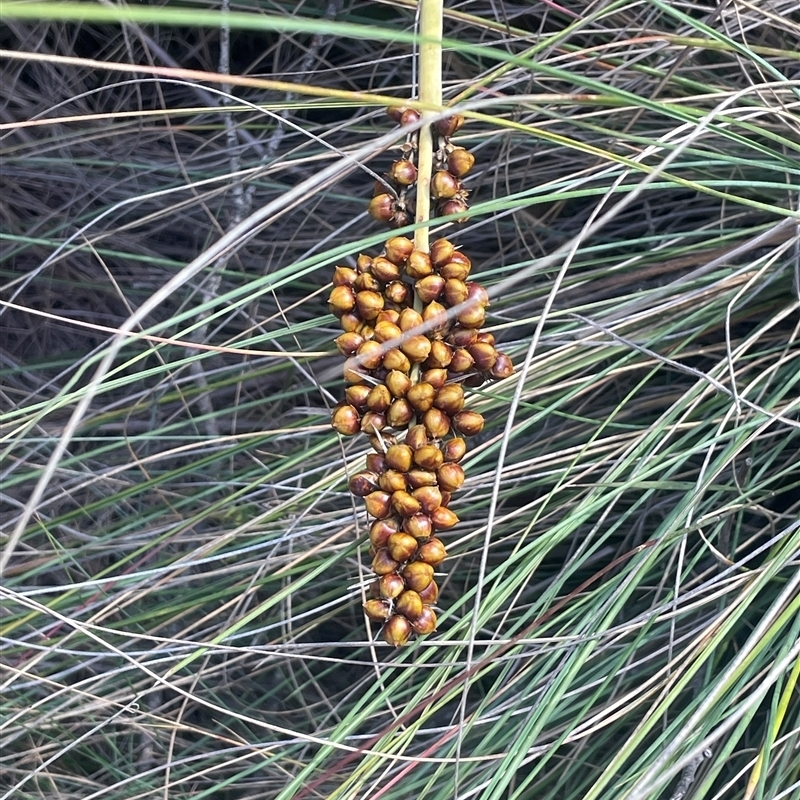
x,y
183,568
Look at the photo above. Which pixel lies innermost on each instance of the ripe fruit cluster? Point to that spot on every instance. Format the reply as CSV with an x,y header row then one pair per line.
x,y
393,202
411,334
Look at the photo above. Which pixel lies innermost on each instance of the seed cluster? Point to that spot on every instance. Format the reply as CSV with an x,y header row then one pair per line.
x,y
412,339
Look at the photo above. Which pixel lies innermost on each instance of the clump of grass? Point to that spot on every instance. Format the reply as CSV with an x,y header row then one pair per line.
x,y
182,562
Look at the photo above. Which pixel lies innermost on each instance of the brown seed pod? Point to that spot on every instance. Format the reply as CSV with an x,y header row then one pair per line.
x,y
460,161
455,291
378,505
369,303
472,316
363,483
357,394
405,504
381,207
479,295
461,362
399,414
346,420
385,270
436,376
419,477
379,398
397,630
430,594
436,423
421,396
417,348
450,399
366,330
366,282
468,423
443,519
396,292
369,354
348,342
363,263
403,172
409,604
417,437
503,367
434,315
450,477
457,267
446,497
376,463
484,354
440,356
393,481
441,251
341,299
395,112
454,206
398,383
444,185
391,585
354,372
381,441
395,359
429,457
429,498
462,337
429,288
350,321
377,610
409,319
419,526
417,575
432,552
398,249
419,265
402,546
399,457
372,421
409,117
383,563
381,530
425,623
449,125
454,450
344,276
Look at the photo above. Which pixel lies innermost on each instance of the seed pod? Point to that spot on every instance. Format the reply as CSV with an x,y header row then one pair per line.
x,y
430,594
443,518
366,330
399,414
454,450
417,437
381,441
397,630
440,356
484,354
400,217
377,610
429,457
454,206
455,292
398,249
457,267
436,423
409,117
393,481
450,477
398,383
395,359
444,185
403,172
472,316
409,604
450,399
429,498
369,304
479,295
348,342
449,125
417,575
432,552
346,420
462,361
381,530
399,457
468,423
421,396
376,463
416,348
425,623
369,355
350,321
383,563
379,398
462,337
395,112
381,207
366,282
419,265
341,300
419,526
391,585
503,367
460,161
372,421
378,505
387,315
344,276
436,376
429,288
441,252
402,546
354,372
363,263
385,270
409,319
405,504
435,315
363,483
385,331
396,292
419,477
357,394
